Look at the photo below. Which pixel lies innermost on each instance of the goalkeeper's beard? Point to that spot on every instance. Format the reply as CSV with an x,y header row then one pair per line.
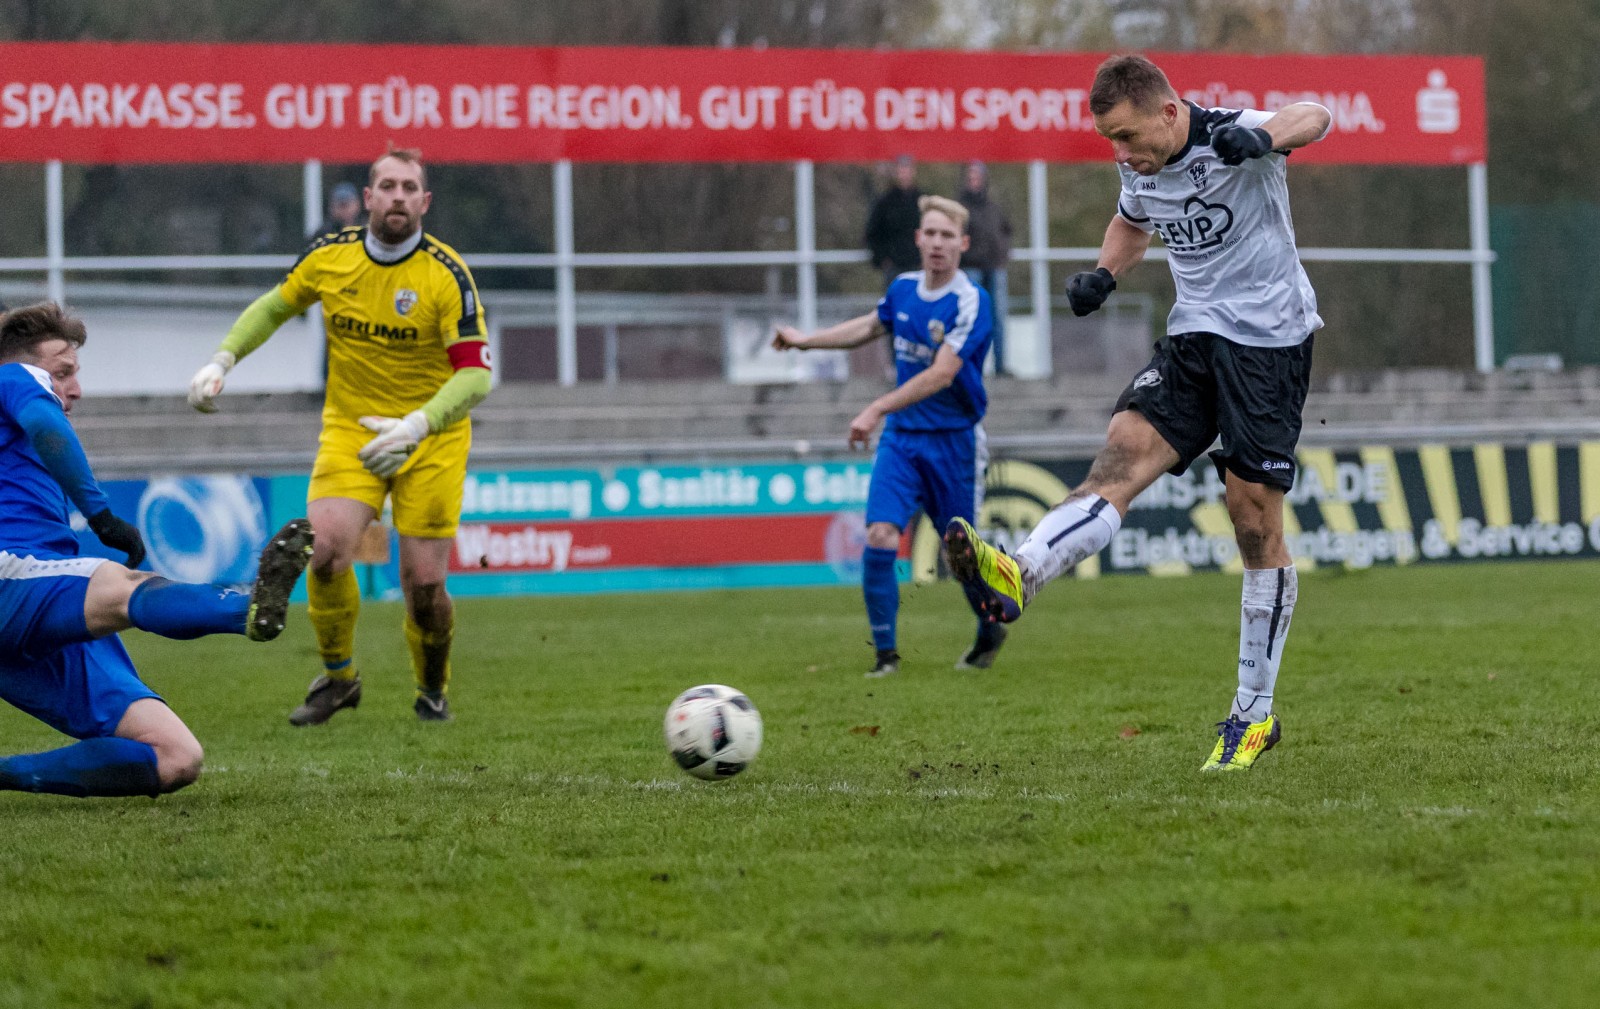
x,y
389,236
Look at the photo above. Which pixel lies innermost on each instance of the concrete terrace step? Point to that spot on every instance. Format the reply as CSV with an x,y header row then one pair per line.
x,y
541,421
495,423
148,420
92,406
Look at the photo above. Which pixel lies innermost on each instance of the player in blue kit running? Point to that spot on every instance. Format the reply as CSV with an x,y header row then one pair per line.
x,y
60,658
933,454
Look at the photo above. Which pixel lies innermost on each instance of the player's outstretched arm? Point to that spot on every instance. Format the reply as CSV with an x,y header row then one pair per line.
x,y
1290,127
934,378
850,333
57,446
1297,125
254,325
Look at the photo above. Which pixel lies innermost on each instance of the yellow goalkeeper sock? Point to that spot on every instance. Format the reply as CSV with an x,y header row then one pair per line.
x,y
335,602
430,656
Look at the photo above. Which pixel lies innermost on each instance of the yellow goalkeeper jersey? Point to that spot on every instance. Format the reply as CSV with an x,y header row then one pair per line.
x,y
396,331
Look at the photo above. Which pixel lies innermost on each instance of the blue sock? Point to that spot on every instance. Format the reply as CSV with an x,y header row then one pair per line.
x,y
185,610
108,766
882,593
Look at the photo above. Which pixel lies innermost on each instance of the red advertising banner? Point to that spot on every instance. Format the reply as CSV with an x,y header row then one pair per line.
x,y
525,546
130,102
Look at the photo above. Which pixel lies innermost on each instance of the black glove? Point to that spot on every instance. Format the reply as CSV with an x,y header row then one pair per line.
x,y
118,535
1233,144
1088,291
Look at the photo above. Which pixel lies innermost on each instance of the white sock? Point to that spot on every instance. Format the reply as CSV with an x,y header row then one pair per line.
x,y
1067,534
1266,605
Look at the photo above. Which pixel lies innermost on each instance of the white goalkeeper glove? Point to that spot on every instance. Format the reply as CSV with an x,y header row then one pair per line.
x,y
397,438
207,382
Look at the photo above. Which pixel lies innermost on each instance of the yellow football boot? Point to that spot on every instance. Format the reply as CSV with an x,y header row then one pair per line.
x,y
1239,743
991,579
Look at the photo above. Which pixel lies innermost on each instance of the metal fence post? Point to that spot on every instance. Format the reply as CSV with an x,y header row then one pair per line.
x,y
566,279
805,237
1039,268
55,234
311,194
1482,294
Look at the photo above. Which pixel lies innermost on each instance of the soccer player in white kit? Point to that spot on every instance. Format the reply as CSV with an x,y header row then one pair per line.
x,y
1236,361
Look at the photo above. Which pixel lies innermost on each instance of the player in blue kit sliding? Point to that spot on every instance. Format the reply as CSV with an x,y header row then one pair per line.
x,y
933,454
60,658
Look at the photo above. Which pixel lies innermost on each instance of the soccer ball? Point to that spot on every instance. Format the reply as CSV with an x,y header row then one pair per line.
x,y
713,732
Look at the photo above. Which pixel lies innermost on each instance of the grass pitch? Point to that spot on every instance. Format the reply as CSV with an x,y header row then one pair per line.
x,y
1427,834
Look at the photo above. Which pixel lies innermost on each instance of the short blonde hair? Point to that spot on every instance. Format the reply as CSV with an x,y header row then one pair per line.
x,y
946,206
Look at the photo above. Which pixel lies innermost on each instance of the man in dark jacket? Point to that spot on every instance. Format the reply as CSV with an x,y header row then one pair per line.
x,y
344,209
892,224
985,259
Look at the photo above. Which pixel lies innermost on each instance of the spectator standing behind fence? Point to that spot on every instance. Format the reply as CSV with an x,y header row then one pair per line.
x,y
986,258
892,225
344,211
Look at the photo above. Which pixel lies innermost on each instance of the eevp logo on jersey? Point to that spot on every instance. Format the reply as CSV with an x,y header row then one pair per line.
x,y
1205,228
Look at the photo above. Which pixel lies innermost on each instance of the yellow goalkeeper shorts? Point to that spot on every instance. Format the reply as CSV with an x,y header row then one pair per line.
x,y
426,493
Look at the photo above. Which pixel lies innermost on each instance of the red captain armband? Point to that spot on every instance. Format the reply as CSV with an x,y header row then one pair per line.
x,y
468,354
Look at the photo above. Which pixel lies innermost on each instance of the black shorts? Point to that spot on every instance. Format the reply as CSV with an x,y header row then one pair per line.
x,y
1200,385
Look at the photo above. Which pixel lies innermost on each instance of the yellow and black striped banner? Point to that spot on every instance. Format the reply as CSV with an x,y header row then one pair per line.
x,y
1357,508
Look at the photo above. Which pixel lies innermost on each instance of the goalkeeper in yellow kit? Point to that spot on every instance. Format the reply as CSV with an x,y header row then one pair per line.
x,y
407,362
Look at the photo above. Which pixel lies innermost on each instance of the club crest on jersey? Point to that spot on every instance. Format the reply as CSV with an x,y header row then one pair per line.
x,y
1148,377
1197,174
936,331
405,300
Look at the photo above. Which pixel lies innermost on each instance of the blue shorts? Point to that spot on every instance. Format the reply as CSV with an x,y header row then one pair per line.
x,y
50,666
939,472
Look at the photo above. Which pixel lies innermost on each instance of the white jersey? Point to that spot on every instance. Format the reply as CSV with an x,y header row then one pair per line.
x,y
1229,239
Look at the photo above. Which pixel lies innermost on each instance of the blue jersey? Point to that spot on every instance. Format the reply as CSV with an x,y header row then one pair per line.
x,y
958,316
33,504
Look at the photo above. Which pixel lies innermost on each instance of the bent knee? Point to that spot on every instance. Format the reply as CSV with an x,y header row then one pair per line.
x,y
1254,525
178,765
428,597
1260,545
882,536
108,596
1251,539
1255,522
326,565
